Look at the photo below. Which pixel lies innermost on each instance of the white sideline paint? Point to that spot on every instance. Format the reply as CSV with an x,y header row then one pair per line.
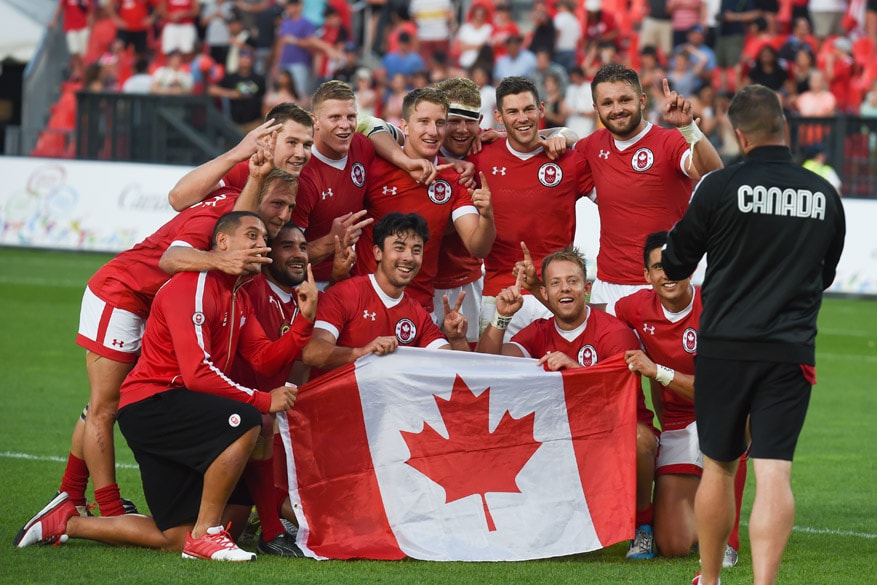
x,y
27,456
804,529
808,530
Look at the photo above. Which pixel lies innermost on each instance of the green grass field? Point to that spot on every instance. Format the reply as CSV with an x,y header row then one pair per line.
x,y
44,388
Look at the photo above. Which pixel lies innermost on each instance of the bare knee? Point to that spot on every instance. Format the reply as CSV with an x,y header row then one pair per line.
x,y
646,442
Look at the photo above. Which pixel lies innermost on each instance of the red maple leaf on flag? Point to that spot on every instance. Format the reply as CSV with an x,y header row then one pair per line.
x,y
472,460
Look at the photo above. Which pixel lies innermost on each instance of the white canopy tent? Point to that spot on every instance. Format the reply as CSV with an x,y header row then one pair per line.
x,y
22,26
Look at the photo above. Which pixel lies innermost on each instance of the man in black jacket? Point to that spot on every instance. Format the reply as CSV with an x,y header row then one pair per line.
x,y
773,233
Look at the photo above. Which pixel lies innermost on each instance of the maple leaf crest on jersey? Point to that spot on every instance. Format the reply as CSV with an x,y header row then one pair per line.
x,y
588,356
642,160
550,174
405,331
357,174
440,192
689,340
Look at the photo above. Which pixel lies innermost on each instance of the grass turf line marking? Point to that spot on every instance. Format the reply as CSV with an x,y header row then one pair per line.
x,y
808,530
27,456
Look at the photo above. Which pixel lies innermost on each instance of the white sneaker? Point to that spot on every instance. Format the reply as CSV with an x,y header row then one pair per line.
x,y
730,559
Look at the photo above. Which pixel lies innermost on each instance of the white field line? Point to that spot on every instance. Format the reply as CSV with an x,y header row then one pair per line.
x,y
805,529
10,455
808,530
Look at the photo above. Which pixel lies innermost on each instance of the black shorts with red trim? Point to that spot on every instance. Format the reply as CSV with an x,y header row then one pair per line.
x,y
773,396
175,436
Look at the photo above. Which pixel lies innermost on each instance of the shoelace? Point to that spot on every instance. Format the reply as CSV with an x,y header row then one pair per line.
x,y
223,538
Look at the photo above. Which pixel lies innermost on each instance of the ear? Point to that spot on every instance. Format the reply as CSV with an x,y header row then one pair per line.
x,y
588,284
646,275
643,101
541,109
379,254
497,116
221,242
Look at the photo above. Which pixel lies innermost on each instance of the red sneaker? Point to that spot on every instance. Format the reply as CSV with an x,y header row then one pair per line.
x,y
49,525
215,545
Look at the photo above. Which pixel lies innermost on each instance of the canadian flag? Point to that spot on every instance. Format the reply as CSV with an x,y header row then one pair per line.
x,y
452,456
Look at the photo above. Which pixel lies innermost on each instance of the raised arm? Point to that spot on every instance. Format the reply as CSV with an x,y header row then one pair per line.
x,y
197,183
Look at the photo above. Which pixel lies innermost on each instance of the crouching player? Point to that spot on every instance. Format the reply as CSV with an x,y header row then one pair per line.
x,y
191,427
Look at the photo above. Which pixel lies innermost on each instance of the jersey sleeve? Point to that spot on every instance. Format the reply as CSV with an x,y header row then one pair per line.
x,y
332,315
197,230
237,176
431,332
623,310
529,340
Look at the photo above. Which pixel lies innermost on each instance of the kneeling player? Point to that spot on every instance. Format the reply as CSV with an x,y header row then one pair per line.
x,y
666,317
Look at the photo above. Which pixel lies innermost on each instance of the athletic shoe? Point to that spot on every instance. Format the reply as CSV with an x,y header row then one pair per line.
x,y
696,580
642,547
215,545
730,559
130,507
291,528
249,536
281,545
49,525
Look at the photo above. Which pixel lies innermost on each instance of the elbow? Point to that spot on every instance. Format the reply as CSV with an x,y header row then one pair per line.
x,y
167,263
175,198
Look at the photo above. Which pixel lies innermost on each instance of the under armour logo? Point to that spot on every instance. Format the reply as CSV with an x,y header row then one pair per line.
x,y
604,154
328,193
367,315
499,171
118,343
650,329
389,190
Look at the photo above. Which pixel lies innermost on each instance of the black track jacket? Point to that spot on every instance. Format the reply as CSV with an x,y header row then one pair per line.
x,y
773,234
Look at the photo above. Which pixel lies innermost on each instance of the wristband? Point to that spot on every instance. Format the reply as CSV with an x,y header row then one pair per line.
x,y
691,133
501,322
665,375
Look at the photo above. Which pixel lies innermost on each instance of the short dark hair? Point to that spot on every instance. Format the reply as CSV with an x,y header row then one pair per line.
x,y
423,94
514,85
613,74
399,223
286,111
756,111
568,254
653,240
290,225
231,221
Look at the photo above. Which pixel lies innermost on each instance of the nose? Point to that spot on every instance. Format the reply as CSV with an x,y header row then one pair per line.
x,y
285,214
299,151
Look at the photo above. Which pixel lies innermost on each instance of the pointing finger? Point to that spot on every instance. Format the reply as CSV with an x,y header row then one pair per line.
x,y
666,85
526,250
311,275
483,178
447,304
444,167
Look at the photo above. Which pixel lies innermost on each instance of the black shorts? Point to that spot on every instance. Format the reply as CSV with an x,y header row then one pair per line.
x,y
773,396
175,436
136,38
871,5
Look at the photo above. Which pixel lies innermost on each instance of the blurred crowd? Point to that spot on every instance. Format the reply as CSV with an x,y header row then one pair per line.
x,y
820,56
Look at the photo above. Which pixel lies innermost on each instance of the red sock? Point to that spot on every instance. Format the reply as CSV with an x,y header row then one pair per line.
x,y
739,484
75,479
109,502
259,478
644,516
